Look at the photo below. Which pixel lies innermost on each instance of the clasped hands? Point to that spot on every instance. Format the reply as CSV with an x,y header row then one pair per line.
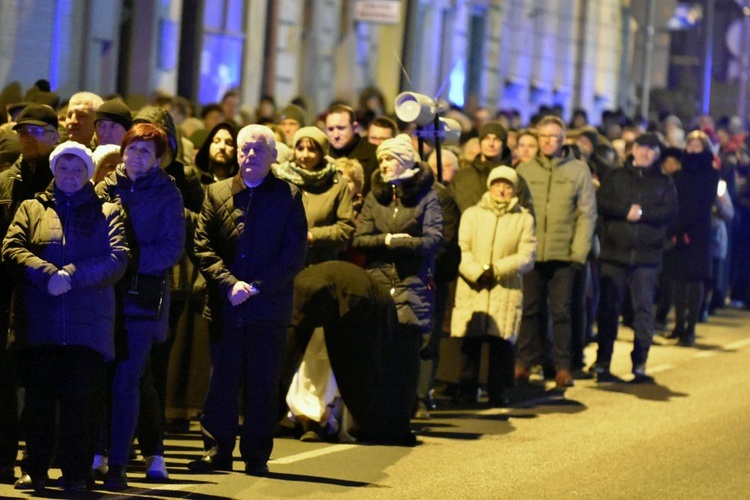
x,y
59,283
240,292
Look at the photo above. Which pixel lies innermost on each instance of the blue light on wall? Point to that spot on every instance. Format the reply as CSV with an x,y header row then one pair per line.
x,y
221,63
458,83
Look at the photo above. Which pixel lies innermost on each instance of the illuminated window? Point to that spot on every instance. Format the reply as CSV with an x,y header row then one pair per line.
x,y
222,47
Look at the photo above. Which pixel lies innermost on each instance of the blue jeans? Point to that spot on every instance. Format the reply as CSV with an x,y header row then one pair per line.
x,y
126,394
642,281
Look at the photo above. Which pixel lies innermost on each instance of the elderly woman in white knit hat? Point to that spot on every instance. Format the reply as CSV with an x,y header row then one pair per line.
x,y
313,398
498,245
400,230
68,249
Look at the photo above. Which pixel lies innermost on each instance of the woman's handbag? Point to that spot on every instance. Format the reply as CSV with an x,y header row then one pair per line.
x,y
144,297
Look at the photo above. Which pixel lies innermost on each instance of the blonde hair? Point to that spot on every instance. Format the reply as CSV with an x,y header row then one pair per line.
x,y
352,170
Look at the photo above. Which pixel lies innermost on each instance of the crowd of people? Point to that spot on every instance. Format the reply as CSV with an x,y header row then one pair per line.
x,y
315,263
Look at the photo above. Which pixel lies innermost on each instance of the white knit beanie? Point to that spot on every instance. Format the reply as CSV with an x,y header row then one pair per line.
x,y
75,149
503,172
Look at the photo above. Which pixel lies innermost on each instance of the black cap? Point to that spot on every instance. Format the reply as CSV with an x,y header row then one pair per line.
x,y
36,114
116,111
648,139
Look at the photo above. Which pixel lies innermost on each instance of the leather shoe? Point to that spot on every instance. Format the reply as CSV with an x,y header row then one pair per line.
x,y
24,483
208,463
256,469
116,478
563,378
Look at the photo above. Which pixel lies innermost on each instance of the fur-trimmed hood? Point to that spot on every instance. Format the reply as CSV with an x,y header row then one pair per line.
x,y
410,190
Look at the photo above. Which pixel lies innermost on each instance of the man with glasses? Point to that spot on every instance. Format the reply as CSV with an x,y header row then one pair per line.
x,y
30,174
565,208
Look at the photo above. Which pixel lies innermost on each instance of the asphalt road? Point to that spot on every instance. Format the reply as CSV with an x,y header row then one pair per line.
x,y
687,436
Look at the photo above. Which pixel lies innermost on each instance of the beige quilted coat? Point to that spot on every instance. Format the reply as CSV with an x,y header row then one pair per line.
x,y
507,242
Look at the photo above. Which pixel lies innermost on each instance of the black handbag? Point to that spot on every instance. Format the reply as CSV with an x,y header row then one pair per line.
x,y
144,296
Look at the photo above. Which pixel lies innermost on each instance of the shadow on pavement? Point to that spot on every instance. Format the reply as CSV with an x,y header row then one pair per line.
x,y
649,392
284,476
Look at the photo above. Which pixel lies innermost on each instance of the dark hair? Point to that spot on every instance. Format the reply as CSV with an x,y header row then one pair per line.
x,y
144,132
385,122
205,110
230,93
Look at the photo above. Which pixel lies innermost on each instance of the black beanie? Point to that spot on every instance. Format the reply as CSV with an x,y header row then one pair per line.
x,y
493,128
116,111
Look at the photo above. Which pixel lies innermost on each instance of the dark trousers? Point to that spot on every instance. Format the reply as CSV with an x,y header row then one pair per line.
x,y
8,409
688,298
63,377
547,287
248,356
578,314
642,282
500,369
430,355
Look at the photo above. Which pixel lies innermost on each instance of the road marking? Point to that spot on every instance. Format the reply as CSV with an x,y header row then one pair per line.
x,y
706,354
312,454
737,345
660,368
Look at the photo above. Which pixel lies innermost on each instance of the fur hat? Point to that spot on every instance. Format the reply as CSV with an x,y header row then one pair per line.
x,y
293,112
493,128
314,133
503,172
400,147
75,149
116,111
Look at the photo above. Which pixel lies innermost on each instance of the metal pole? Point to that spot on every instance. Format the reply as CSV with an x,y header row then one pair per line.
x,y
742,104
648,49
708,56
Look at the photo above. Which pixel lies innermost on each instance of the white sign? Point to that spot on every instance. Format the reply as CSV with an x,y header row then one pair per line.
x,y
378,11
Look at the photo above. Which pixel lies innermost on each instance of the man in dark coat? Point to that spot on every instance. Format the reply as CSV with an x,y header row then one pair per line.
x,y
343,134
251,241
29,175
469,184
636,204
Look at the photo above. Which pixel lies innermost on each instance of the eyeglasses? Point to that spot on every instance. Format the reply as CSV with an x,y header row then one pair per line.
x,y
34,130
549,137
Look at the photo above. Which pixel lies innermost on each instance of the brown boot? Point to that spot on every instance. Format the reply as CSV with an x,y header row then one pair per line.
x,y
522,373
563,378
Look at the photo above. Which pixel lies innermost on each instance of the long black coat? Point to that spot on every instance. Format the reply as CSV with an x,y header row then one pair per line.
x,y
359,320
696,185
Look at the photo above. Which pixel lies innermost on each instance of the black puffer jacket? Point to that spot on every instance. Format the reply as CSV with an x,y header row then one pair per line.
x,y
256,235
155,225
84,237
406,266
642,242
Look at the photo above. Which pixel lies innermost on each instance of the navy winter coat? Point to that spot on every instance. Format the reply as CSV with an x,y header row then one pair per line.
x,y
406,266
83,236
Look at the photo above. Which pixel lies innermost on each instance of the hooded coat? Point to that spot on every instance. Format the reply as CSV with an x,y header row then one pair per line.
x,y
506,241
406,266
83,236
697,183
